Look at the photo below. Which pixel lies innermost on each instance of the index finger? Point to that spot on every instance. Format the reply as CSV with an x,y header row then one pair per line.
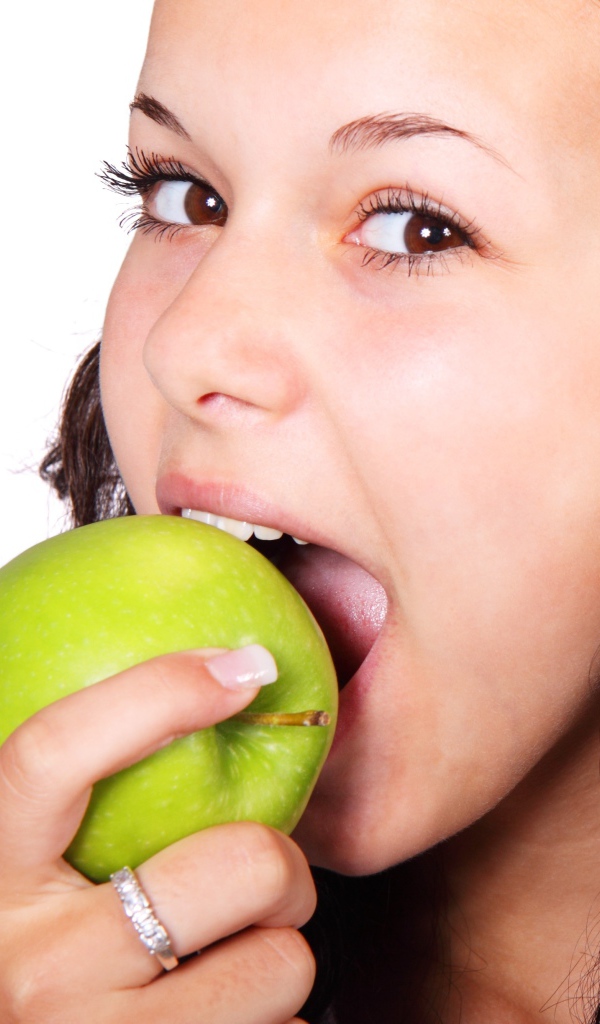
x,y
48,765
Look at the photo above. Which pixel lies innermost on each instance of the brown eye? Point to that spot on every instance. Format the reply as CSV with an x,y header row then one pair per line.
x,y
407,233
187,203
430,234
203,206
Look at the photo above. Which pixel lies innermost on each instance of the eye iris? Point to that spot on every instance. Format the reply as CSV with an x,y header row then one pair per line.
x,y
204,207
429,234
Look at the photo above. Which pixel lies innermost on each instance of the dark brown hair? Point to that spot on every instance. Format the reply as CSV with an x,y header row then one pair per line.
x,y
79,464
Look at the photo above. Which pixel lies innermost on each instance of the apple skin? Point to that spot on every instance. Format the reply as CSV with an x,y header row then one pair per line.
x,y
87,604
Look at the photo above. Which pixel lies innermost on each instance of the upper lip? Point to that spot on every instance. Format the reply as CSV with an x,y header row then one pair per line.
x,y
175,491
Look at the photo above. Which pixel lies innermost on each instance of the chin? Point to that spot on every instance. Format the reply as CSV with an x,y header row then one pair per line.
x,y
354,835
347,852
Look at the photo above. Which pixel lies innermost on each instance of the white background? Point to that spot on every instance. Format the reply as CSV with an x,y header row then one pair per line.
x,y
67,73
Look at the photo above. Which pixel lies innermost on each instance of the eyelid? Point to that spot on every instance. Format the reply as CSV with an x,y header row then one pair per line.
x,y
415,263
139,173
394,199
138,176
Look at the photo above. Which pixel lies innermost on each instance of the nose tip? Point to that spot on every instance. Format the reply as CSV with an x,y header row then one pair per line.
x,y
215,351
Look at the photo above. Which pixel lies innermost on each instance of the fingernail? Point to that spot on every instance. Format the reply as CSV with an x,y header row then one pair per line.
x,y
244,668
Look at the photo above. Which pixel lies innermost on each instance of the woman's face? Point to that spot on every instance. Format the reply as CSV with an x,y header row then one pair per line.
x,y
383,339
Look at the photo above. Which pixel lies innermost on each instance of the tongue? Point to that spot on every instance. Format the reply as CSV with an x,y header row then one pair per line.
x,y
348,603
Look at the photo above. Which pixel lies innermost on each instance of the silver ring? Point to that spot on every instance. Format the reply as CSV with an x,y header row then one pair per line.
x,y
139,910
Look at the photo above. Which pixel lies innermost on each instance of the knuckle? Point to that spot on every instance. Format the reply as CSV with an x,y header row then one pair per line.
x,y
294,955
31,758
264,861
29,991
168,681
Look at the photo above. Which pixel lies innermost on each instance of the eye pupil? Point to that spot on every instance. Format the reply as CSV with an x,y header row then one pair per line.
x,y
435,235
428,234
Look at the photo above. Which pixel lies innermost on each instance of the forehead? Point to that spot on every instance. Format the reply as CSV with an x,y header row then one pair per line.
x,y
527,68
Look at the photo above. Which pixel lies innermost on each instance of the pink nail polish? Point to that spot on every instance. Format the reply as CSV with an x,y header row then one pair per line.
x,y
244,668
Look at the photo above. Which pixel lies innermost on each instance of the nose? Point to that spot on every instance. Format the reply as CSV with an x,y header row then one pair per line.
x,y
226,342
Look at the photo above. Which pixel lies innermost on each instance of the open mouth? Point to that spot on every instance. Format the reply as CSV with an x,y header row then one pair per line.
x,y
349,604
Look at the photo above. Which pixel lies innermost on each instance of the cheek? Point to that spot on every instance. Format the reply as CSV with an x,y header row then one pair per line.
x,y
479,442
133,409
480,447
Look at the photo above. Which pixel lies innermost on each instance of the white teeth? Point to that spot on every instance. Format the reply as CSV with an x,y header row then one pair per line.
x,y
241,530
267,533
200,517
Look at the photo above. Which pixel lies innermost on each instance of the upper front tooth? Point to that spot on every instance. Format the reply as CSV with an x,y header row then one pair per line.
x,y
200,517
241,530
267,533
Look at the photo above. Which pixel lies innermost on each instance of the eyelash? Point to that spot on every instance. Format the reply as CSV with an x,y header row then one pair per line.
x,y
138,176
142,172
396,200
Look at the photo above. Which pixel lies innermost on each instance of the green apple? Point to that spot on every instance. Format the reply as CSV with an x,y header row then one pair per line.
x,y
88,604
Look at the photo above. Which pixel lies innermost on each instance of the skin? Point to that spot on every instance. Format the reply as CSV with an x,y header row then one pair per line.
x,y
459,474
229,356
439,428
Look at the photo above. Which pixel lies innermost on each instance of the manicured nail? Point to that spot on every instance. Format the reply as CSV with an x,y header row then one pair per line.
x,y
244,668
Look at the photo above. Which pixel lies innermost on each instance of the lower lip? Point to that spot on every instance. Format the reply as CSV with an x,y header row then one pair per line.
x,y
354,694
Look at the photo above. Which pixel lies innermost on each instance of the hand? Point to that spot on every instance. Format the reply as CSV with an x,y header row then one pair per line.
x,y
68,953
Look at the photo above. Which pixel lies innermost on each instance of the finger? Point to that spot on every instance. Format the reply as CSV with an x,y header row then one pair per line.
x,y
48,764
202,889
261,976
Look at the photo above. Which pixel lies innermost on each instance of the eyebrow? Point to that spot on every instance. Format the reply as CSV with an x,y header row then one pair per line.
x,y
157,112
364,133
379,129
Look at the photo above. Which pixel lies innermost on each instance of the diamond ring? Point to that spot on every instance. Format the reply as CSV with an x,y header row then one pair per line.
x,y
139,910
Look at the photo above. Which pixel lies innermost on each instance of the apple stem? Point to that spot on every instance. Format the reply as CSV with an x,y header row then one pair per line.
x,y
283,717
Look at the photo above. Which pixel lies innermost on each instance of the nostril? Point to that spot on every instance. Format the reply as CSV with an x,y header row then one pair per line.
x,y
217,400
212,398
